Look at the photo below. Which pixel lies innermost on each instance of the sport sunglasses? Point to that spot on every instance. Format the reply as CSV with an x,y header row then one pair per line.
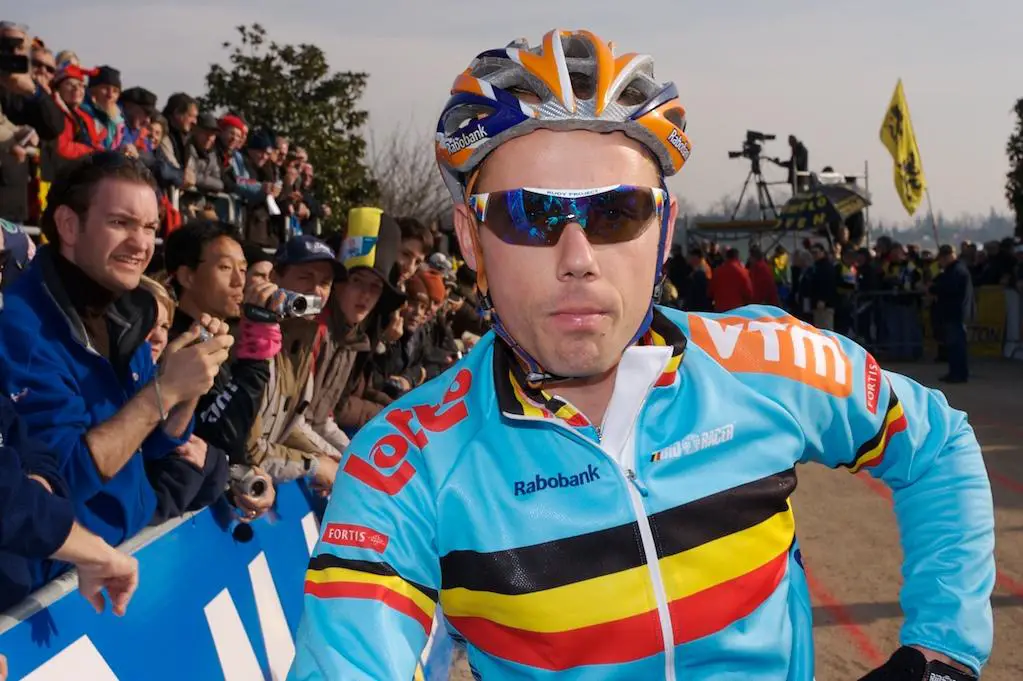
x,y
537,217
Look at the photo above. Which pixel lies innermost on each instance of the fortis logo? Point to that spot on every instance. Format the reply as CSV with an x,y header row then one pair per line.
x,y
456,144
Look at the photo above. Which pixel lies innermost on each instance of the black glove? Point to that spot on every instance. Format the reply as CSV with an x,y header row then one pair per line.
x,y
909,664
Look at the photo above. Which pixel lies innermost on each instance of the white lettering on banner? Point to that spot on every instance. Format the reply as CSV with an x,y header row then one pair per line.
x,y
80,660
311,531
280,649
456,144
237,659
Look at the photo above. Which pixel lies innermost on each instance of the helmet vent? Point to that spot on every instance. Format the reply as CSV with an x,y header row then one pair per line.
x,y
463,116
676,118
583,85
633,94
577,47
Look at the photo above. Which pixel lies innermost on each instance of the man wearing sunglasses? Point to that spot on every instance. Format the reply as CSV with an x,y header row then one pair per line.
x,y
601,489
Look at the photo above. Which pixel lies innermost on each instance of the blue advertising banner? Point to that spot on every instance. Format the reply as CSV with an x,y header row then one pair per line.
x,y
208,607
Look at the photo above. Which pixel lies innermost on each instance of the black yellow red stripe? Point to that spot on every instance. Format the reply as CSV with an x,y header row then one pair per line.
x,y
662,332
720,557
872,452
330,576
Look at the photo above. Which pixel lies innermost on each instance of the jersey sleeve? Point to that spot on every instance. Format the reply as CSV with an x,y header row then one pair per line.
x,y
908,436
372,585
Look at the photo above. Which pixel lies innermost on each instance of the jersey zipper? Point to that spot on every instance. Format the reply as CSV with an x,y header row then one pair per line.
x,y
636,491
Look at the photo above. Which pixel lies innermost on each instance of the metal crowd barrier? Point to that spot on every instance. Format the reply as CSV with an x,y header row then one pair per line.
x,y
893,324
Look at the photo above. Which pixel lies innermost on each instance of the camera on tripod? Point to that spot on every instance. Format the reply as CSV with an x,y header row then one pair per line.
x,y
751,147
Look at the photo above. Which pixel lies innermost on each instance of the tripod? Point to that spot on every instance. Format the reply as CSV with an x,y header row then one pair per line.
x,y
764,200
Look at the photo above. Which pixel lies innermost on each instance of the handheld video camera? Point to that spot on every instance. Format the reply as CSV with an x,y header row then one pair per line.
x,y
283,305
10,60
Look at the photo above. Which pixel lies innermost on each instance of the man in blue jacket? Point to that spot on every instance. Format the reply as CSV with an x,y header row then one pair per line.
x,y
73,350
37,520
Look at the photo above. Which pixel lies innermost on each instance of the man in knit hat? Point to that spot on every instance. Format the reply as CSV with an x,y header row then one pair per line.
x,y
101,102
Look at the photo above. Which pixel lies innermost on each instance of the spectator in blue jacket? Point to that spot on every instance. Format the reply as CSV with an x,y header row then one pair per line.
x,y
37,521
73,349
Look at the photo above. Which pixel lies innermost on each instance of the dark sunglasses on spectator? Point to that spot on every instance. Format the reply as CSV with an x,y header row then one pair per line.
x,y
537,217
44,66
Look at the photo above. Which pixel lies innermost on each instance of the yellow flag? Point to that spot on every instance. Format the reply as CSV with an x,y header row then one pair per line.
x,y
898,137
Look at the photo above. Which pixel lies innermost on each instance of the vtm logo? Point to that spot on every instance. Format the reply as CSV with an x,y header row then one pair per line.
x,y
389,452
782,346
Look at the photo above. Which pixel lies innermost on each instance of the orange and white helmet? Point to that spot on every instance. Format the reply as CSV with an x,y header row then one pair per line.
x,y
572,81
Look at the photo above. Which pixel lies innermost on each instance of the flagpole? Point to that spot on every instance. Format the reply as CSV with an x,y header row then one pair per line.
x,y
934,223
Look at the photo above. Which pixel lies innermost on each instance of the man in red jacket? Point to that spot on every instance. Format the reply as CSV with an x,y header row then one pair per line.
x,y
765,291
731,286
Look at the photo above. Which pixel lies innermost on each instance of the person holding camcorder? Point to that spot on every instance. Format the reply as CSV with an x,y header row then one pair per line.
x,y
282,441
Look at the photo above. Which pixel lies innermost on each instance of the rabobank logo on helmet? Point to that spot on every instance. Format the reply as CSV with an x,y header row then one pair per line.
x,y
676,140
539,482
466,139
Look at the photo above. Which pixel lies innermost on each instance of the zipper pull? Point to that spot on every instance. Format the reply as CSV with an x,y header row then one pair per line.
x,y
631,476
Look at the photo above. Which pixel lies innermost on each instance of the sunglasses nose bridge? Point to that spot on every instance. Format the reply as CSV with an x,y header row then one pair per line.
x,y
574,252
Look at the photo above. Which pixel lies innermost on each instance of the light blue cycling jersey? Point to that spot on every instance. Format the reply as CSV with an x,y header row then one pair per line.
x,y
662,545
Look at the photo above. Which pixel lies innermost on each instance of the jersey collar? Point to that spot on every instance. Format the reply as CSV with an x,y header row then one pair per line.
x,y
517,400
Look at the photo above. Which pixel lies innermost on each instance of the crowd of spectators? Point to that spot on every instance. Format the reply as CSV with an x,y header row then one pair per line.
x,y
160,353
139,383
874,295
225,373
205,165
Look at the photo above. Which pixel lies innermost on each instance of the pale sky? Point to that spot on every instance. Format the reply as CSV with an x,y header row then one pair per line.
x,y
824,71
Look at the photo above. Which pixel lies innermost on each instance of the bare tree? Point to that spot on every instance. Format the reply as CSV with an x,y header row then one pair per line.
x,y
405,169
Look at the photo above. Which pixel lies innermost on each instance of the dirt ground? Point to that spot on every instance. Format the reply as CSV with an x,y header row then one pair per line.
x,y
850,540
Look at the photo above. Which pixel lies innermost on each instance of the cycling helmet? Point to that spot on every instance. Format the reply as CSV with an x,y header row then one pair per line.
x,y
572,81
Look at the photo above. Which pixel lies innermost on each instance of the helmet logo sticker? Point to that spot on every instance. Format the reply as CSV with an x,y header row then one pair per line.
x,y
675,140
468,139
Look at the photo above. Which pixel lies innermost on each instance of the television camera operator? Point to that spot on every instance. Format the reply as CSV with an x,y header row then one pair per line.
x,y
799,162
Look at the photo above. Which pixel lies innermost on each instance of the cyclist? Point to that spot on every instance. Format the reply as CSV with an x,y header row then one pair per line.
x,y
601,489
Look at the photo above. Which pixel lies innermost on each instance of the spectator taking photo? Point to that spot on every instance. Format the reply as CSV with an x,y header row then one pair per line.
x,y
282,441
74,351
207,265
